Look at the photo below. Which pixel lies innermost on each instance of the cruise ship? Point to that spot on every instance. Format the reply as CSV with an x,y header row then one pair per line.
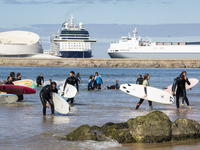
x,y
20,44
72,41
137,48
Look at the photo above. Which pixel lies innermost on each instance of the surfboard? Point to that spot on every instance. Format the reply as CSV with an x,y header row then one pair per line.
x,y
8,98
16,89
153,94
26,82
60,104
193,82
70,91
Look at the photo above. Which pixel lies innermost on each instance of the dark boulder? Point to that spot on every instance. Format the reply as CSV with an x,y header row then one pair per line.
x,y
185,129
84,132
153,127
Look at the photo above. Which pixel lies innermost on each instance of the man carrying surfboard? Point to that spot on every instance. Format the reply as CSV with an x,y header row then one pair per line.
x,y
71,80
145,83
45,96
180,83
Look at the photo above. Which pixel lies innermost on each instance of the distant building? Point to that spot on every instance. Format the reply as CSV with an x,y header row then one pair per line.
x,y
20,44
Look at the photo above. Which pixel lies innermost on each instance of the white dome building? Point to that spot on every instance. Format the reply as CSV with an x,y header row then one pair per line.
x,y
20,44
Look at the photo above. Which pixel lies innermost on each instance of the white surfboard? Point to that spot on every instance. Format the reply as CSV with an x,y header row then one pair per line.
x,y
60,104
153,94
193,82
70,91
8,98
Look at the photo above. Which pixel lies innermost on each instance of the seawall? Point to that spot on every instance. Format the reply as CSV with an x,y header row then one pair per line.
x,y
100,62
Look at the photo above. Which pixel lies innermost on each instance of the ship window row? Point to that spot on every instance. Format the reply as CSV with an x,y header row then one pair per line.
x,y
74,32
75,35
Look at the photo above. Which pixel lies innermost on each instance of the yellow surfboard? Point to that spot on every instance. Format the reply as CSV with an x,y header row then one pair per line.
x,y
27,83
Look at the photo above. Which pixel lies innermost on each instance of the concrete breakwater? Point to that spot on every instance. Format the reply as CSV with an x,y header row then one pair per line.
x,y
101,62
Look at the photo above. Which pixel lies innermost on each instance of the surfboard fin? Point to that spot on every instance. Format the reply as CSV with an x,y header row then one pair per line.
x,y
129,85
127,91
124,87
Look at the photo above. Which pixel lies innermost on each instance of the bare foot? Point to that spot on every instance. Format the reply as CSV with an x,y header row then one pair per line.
x,y
189,107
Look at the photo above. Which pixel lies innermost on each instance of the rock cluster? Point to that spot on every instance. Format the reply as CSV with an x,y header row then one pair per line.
x,y
153,127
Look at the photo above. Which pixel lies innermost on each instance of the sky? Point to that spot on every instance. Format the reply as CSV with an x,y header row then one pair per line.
x,y
106,20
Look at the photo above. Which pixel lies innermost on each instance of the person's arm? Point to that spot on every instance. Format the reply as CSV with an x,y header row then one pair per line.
x,y
42,80
77,86
145,88
101,81
137,81
174,86
188,82
66,81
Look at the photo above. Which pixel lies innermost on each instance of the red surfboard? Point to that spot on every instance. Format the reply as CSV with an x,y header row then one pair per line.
x,y
16,89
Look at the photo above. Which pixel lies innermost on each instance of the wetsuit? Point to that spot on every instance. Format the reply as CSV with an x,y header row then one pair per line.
x,y
13,79
99,81
45,96
90,84
180,89
20,97
72,81
145,83
139,80
39,80
78,78
9,82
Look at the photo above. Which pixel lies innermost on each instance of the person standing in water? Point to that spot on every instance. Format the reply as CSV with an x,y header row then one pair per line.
x,y
145,83
180,83
78,77
71,80
90,83
20,97
139,80
40,80
98,80
46,97
9,80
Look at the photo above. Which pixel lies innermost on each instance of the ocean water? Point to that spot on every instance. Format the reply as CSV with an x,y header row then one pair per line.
x,y
24,127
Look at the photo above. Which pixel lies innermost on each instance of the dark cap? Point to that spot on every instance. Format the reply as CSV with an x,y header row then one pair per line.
x,y
72,72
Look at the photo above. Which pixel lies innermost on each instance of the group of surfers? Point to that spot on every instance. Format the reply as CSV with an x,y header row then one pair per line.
x,y
96,82
179,82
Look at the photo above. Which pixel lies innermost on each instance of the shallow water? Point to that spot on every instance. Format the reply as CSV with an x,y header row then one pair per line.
x,y
24,127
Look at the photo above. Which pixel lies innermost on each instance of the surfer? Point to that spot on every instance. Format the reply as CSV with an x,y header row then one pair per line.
x,y
9,80
40,80
20,97
180,83
71,80
98,80
19,76
45,96
94,82
90,83
78,77
12,74
145,83
116,85
139,80
50,81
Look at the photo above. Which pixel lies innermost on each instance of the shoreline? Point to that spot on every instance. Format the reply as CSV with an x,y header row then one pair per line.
x,y
100,62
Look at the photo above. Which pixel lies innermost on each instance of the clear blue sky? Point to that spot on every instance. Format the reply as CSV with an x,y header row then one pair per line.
x,y
26,12
106,20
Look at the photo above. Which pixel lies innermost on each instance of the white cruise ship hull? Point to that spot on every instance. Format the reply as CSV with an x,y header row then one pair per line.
x,y
158,52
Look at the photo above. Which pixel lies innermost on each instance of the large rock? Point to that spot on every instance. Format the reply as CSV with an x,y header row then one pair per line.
x,y
118,132
84,132
153,127
184,129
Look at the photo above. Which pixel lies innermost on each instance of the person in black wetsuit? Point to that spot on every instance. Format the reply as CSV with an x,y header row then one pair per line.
x,y
12,74
9,80
180,83
139,80
40,80
71,80
78,77
20,97
45,96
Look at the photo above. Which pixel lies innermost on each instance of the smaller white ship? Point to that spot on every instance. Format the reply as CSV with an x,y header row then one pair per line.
x,y
136,47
